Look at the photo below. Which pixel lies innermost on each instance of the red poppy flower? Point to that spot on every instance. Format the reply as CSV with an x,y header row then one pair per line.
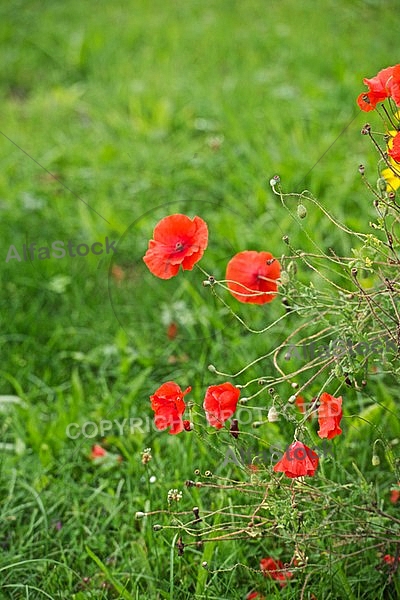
x,y
97,452
394,85
389,559
297,461
169,406
177,241
275,569
220,403
395,495
329,416
379,89
252,276
394,147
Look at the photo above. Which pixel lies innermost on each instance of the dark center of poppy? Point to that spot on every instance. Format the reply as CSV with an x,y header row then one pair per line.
x,y
179,246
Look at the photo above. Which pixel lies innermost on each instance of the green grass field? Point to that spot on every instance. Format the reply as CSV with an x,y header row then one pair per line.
x,y
113,116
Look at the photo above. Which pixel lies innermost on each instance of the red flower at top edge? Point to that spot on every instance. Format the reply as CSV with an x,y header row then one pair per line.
x,y
275,569
297,461
384,85
169,406
220,403
252,276
329,416
178,241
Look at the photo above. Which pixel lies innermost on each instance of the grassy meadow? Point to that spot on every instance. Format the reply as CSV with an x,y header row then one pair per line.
x,y
114,115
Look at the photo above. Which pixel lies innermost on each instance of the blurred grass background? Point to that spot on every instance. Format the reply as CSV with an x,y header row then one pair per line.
x,y
113,115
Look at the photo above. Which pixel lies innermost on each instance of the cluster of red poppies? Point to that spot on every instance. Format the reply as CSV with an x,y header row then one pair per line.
x,y
167,402
179,241
251,276
220,403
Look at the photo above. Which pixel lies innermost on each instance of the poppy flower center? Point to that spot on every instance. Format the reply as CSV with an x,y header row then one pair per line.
x,y
179,246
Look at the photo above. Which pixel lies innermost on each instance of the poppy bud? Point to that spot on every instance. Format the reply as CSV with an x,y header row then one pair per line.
x,y
157,527
212,368
234,429
292,399
181,546
285,277
140,515
204,564
381,184
301,211
285,239
273,415
361,169
375,460
275,179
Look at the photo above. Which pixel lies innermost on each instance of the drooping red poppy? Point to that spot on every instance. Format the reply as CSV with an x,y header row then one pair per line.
x,y
275,569
220,403
298,460
251,276
178,241
394,147
169,406
329,416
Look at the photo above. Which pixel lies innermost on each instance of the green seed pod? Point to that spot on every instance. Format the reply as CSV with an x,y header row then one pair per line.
x,y
301,211
285,277
292,268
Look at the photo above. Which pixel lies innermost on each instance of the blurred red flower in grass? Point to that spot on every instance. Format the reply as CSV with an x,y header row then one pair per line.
x,y
275,569
220,403
251,276
97,452
297,461
329,416
178,241
395,495
253,595
169,406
